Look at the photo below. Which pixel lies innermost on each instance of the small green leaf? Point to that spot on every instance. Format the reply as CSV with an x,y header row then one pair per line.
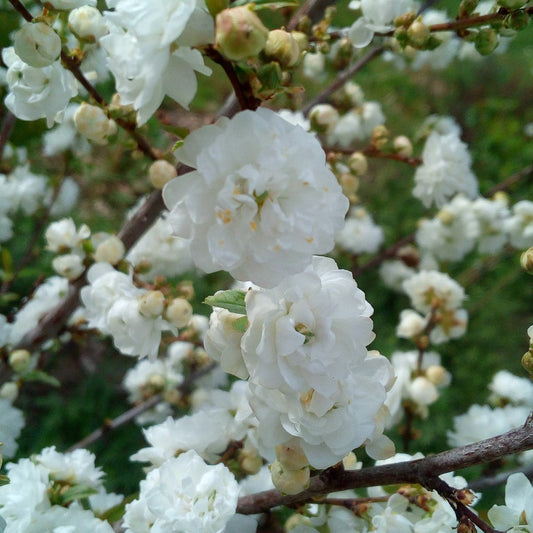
x,y
42,377
4,480
77,492
177,144
232,300
241,324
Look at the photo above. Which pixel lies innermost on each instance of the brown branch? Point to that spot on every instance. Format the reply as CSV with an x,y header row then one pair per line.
x,y
336,478
499,479
343,77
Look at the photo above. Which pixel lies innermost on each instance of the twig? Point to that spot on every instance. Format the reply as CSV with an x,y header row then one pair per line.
x,y
302,11
336,478
8,123
499,479
343,77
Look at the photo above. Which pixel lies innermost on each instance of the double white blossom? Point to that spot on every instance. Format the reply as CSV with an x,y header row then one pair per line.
x,y
261,201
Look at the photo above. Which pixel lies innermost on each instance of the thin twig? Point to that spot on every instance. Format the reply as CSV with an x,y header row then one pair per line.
x,y
343,77
8,123
336,478
500,478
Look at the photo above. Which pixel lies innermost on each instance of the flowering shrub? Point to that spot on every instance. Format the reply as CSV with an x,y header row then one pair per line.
x,y
315,279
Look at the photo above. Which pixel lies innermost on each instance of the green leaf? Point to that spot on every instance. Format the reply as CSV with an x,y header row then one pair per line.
x,y
232,300
241,324
4,480
77,492
42,377
177,144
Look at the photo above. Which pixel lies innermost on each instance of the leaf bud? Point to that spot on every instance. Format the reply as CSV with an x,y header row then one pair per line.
x,y
282,47
37,44
110,250
418,34
323,118
179,312
152,304
289,481
512,4
517,20
403,146
486,41
69,266
161,172
19,360
239,33
526,260
87,23
93,123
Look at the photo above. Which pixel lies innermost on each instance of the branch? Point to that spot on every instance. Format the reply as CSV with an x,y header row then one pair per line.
x,y
8,123
336,478
343,77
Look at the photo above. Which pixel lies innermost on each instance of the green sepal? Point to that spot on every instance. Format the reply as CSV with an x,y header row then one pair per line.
x,y
231,300
40,376
241,324
77,492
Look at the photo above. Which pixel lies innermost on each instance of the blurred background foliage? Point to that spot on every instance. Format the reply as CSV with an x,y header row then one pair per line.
x,y
492,101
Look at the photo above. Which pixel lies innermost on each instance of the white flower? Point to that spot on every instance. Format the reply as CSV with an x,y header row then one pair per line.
x,y
507,386
37,92
184,495
452,233
520,225
357,125
360,233
69,266
87,23
394,273
482,422
93,123
411,324
63,235
518,508
11,424
64,136
261,201
61,519
377,17
492,216
445,170
75,468
37,44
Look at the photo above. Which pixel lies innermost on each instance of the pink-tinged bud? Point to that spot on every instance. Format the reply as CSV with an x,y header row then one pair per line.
x,y
239,33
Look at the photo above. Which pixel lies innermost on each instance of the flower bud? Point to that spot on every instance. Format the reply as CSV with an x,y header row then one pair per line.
x,y
403,146
418,34
87,23
289,481
438,375
239,33
350,462
526,260
301,40
152,304
156,382
350,185
179,312
69,266
93,123
161,172
19,360
445,217
250,460
110,250
282,47
422,391
380,137
313,65
486,41
527,362
358,163
517,20
37,44
323,118
291,455
9,391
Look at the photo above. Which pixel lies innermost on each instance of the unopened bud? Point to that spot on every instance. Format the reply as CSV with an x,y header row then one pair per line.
x,y
358,163
526,260
239,33
445,216
349,184
152,304
343,54
418,34
403,146
301,40
282,47
289,481
438,375
517,20
250,460
405,19
93,123
9,391
291,455
110,250
161,172
486,41
87,23
422,391
350,462
179,312
323,118
19,360
380,137
527,362
156,382
69,266
37,44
